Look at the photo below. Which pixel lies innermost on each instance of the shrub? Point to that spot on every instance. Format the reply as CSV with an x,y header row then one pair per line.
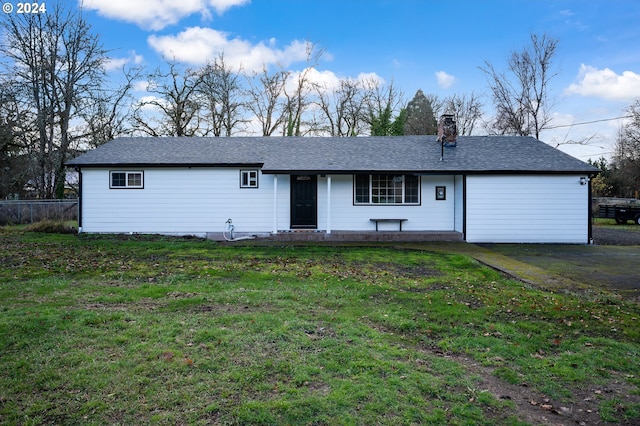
x,y
52,227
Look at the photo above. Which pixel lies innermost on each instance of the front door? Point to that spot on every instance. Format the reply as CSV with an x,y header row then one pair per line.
x,y
304,195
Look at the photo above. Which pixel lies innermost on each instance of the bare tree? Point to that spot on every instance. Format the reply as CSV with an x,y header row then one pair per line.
x,y
15,119
521,95
56,56
108,113
16,135
466,109
172,109
382,103
626,158
297,96
265,99
279,100
438,105
632,129
222,96
297,101
343,109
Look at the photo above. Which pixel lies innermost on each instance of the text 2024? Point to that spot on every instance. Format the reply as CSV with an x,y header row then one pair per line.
x,y
32,7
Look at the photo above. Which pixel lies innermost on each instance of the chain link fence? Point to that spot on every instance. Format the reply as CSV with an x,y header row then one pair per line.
x,y
17,212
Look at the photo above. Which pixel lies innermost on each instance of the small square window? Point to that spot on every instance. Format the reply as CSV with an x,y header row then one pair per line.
x,y
118,179
441,192
134,179
248,179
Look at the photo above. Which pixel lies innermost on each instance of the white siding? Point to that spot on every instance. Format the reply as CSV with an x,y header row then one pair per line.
x,y
284,202
459,204
176,201
527,209
430,215
195,201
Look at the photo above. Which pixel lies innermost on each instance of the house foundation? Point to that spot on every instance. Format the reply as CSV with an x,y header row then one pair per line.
x,y
351,236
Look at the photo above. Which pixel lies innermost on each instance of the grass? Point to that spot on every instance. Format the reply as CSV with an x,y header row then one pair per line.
x,y
611,223
151,330
53,227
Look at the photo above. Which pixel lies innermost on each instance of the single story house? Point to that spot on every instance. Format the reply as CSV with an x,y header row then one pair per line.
x,y
485,188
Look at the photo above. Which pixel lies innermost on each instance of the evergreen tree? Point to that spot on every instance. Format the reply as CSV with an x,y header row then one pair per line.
x,y
381,123
382,103
397,127
420,119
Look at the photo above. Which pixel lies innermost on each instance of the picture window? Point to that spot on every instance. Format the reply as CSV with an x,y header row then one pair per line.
x,y
387,189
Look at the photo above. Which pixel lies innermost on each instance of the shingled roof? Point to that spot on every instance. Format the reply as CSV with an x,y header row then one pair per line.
x,y
407,154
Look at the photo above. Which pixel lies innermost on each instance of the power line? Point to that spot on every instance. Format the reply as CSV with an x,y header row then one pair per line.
x,y
588,122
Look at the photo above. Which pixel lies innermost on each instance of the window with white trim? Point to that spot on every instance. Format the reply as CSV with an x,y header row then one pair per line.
x,y
126,180
387,189
248,178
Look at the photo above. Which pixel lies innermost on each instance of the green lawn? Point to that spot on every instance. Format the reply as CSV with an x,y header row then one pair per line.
x,y
150,330
611,223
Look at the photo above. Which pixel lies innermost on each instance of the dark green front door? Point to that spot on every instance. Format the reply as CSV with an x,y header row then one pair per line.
x,y
304,197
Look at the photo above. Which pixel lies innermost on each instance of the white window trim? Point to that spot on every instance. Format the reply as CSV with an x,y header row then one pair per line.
x,y
371,203
126,179
252,182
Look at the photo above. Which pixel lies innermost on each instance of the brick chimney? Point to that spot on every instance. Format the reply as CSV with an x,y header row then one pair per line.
x,y
447,130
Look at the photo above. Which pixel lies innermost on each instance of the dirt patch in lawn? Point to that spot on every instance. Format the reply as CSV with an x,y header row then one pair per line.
x,y
531,406
537,408
413,271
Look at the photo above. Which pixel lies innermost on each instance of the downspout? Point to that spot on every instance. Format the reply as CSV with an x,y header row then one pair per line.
x,y
275,204
455,202
79,170
590,213
328,204
464,207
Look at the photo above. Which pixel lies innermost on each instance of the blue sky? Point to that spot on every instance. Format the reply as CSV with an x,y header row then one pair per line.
x,y
436,46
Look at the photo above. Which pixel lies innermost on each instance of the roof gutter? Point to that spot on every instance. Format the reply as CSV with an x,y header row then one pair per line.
x,y
160,165
429,172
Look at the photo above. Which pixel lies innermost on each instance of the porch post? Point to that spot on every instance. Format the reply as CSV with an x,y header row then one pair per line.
x,y
328,204
275,204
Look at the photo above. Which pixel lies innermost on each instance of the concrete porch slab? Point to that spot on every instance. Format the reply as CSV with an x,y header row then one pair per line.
x,y
357,236
345,236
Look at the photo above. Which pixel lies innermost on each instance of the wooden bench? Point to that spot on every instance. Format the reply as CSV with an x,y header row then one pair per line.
x,y
388,220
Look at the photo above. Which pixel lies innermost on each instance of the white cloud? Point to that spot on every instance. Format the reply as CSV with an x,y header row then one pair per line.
x,y
445,80
605,84
328,80
151,103
117,63
141,86
197,45
371,78
157,14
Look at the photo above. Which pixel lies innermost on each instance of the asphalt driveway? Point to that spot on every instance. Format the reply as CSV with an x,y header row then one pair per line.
x,y
612,263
